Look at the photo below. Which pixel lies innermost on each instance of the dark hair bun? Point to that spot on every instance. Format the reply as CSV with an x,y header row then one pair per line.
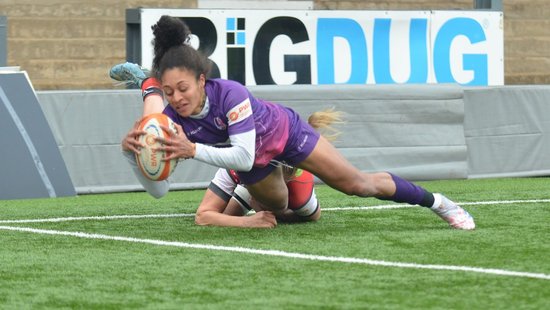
x,y
168,32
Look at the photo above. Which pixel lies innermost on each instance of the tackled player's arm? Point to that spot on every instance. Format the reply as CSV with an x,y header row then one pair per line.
x,y
218,208
211,210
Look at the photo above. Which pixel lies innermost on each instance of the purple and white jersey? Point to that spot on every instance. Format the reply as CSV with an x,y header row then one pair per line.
x,y
230,110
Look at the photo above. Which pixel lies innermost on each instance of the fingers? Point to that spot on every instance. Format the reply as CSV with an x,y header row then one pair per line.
x,y
170,131
179,128
131,140
170,156
268,218
136,124
171,136
176,145
133,146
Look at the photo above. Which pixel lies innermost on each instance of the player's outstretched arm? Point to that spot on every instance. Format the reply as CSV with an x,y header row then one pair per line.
x,y
211,212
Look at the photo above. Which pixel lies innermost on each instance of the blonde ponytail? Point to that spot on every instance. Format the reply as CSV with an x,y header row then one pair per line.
x,y
322,121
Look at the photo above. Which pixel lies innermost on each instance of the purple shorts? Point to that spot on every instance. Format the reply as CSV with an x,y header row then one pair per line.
x,y
301,142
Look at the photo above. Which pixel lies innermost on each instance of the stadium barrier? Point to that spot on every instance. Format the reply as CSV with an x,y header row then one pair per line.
x,y
421,132
31,164
507,131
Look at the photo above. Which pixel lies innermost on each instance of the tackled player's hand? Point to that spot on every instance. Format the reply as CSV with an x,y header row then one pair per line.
x,y
261,219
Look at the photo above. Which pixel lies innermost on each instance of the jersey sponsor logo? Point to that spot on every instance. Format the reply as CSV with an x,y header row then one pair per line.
x,y
239,112
194,131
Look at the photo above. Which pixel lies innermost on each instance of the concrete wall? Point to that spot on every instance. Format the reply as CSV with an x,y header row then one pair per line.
x,y
71,44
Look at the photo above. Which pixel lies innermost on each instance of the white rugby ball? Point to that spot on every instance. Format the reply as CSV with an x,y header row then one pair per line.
x,y
150,161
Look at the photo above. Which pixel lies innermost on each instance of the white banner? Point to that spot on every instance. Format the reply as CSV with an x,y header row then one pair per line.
x,y
258,47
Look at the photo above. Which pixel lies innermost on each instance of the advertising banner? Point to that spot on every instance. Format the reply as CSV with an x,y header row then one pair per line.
x,y
262,47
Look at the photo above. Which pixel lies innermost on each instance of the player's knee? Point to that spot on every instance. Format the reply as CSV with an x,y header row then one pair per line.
x,y
310,211
315,216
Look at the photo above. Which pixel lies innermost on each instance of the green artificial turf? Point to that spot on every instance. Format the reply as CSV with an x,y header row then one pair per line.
x,y
45,271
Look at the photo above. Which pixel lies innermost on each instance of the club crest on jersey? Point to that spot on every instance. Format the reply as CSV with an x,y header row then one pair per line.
x,y
239,112
219,123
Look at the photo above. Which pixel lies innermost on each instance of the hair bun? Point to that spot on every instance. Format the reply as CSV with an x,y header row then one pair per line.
x,y
172,49
168,32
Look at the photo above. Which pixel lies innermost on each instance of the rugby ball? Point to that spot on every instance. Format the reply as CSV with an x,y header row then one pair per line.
x,y
150,161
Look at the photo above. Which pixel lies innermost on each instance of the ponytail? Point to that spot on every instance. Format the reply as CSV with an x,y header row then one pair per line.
x,y
322,121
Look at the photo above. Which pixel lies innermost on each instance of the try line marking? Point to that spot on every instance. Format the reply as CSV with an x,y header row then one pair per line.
x,y
338,259
174,215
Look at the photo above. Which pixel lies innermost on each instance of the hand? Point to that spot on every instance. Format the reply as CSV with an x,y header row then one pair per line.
x,y
262,219
131,140
177,145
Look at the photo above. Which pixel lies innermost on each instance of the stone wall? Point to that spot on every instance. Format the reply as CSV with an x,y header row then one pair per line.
x,y
71,44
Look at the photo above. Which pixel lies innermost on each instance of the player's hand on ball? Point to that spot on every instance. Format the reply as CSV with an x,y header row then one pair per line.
x,y
131,140
177,144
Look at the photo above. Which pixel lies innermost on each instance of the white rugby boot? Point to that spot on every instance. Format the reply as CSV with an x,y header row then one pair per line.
x,y
453,214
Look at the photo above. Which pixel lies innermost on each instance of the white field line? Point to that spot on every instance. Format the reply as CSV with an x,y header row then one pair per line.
x,y
97,218
475,203
337,259
152,216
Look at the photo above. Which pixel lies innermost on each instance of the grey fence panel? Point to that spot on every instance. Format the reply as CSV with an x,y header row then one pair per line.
x,y
414,131
420,132
507,130
89,126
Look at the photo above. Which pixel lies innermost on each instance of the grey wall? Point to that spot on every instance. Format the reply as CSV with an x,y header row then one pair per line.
x,y
507,131
420,132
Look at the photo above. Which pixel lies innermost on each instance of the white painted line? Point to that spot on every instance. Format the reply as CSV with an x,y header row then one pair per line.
x,y
475,203
503,202
97,218
152,216
366,208
337,259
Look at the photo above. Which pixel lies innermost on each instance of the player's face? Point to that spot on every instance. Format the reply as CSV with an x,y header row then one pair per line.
x,y
184,92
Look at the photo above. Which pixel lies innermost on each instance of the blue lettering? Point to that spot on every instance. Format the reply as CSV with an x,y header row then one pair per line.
x,y
418,51
442,51
351,31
